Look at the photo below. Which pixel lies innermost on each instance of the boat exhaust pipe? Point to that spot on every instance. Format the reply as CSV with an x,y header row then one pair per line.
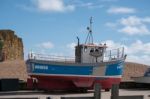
x,y
78,40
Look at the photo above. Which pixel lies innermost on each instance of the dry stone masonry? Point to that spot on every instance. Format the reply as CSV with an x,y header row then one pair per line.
x,y
11,46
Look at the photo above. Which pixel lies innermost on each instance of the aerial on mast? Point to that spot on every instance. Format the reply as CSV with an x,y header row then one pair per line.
x,y
89,38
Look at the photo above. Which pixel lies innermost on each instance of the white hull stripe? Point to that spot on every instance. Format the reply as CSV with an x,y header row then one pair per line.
x,y
42,74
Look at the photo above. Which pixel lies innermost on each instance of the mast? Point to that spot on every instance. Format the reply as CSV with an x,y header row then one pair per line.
x,y
89,38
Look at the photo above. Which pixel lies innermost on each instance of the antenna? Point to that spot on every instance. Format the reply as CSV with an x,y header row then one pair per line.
x,y
89,38
78,40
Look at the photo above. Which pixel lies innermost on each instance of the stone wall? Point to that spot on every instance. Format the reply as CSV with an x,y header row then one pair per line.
x,y
11,46
13,69
133,70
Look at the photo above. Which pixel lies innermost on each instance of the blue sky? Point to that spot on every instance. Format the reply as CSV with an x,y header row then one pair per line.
x,y
51,26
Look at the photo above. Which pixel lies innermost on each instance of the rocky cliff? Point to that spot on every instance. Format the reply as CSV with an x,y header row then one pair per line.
x,y
11,46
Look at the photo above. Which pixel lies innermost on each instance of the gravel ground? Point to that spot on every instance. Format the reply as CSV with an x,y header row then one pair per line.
x,y
54,95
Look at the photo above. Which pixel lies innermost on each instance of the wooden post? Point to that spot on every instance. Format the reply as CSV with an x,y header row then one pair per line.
x,y
48,98
97,91
115,91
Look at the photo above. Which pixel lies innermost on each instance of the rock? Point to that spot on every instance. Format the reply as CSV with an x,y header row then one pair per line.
x,y
11,46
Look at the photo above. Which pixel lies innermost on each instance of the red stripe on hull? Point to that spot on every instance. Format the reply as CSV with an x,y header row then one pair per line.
x,y
69,82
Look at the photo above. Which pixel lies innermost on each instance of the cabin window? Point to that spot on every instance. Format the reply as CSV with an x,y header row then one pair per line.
x,y
100,49
96,50
85,49
92,50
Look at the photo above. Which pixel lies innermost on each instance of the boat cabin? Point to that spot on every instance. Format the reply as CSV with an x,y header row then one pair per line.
x,y
89,53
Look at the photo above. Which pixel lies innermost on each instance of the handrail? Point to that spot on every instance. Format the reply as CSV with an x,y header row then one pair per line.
x,y
51,57
113,54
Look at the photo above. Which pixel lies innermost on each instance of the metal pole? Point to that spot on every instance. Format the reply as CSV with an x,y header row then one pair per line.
x,y
110,55
97,91
122,52
118,53
115,91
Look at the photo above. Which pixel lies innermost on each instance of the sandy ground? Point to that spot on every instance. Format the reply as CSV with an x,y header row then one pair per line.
x,y
105,95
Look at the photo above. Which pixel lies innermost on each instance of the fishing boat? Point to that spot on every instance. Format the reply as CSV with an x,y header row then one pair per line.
x,y
92,64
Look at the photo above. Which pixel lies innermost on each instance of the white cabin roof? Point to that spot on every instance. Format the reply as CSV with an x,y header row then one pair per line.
x,y
94,45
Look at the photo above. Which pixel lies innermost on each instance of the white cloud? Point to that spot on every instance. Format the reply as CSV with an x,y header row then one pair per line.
x,y
70,49
137,51
53,6
143,59
87,4
45,45
92,5
71,46
131,21
133,30
134,25
121,10
131,25
59,5
139,47
134,21
146,19
111,25
111,44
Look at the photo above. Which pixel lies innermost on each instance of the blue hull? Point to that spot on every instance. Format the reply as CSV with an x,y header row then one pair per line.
x,y
49,68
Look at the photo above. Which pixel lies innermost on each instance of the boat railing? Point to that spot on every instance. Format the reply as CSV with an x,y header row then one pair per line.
x,y
109,55
114,54
55,58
